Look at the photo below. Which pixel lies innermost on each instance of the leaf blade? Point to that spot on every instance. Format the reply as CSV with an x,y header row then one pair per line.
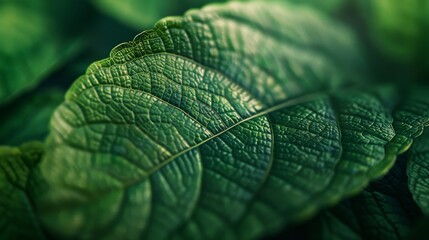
x,y
19,219
188,85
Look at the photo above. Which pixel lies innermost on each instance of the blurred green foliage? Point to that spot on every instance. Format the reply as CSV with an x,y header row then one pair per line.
x,y
36,38
398,28
141,14
28,117
329,6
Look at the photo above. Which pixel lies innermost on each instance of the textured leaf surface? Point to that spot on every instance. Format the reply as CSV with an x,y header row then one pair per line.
x,y
17,219
33,42
418,171
411,116
28,118
217,124
384,210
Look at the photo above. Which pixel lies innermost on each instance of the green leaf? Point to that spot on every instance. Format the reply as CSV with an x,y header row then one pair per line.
x,y
34,42
28,118
418,171
17,218
225,123
384,210
411,116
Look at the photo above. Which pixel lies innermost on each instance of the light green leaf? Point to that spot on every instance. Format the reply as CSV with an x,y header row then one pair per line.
x,y
28,118
17,218
33,42
418,171
384,210
220,124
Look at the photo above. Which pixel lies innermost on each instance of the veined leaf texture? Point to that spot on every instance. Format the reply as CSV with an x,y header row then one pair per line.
x,y
230,122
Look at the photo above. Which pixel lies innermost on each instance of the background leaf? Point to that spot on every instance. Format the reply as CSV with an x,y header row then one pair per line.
x,y
17,219
399,31
37,37
384,210
418,171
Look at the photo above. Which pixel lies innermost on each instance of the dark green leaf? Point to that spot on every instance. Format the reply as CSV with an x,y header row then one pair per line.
x,y
228,122
411,116
33,41
418,171
384,210
17,218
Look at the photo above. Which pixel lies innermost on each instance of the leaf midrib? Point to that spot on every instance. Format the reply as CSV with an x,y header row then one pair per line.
x,y
281,105
287,103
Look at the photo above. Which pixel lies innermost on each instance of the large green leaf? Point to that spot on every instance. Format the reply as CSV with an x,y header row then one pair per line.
x,y
17,219
28,118
36,37
418,172
224,123
384,210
